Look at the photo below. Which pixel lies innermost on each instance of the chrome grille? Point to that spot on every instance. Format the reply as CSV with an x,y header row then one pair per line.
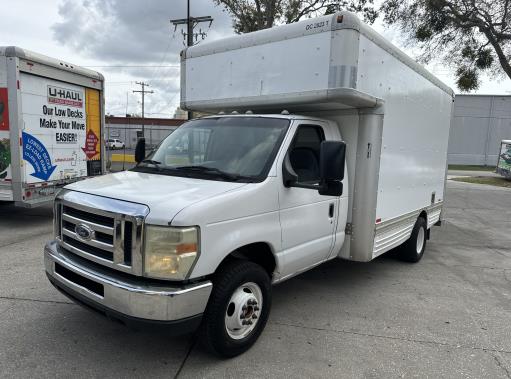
x,y
113,229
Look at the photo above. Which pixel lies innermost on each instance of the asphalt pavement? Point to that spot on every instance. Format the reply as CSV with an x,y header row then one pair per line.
x,y
448,316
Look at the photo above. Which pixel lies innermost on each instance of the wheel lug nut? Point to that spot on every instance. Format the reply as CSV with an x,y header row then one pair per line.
x,y
256,308
244,308
254,316
249,322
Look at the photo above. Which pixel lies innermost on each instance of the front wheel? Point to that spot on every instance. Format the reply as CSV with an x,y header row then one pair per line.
x,y
238,308
413,249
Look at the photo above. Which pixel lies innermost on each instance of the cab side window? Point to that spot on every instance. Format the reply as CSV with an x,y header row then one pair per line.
x,y
304,153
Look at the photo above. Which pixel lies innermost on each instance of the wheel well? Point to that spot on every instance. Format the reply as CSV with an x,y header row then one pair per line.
x,y
424,215
258,252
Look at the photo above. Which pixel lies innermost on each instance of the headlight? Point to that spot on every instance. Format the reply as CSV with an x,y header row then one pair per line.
x,y
170,252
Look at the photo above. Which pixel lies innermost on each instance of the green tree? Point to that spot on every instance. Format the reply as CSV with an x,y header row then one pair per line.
x,y
472,36
251,15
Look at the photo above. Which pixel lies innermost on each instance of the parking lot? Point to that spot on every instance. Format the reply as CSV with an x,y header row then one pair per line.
x,y
447,316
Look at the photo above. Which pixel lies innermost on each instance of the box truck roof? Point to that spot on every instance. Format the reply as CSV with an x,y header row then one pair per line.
x,y
323,63
15,51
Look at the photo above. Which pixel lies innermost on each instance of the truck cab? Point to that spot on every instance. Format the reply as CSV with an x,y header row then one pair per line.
x,y
216,191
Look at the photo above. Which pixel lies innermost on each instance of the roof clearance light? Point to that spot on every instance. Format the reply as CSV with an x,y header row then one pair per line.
x,y
284,112
249,112
339,19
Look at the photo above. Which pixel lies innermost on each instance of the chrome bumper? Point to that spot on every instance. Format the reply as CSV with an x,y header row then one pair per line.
x,y
122,294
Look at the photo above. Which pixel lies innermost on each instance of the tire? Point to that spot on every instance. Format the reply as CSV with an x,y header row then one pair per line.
x,y
413,249
237,283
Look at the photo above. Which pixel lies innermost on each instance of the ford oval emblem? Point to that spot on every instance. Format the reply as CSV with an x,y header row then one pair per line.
x,y
84,232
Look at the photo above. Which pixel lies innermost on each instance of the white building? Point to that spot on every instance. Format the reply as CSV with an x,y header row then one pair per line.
x,y
480,122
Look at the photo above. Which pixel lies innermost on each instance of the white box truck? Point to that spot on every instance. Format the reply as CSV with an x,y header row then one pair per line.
x,y
51,125
329,142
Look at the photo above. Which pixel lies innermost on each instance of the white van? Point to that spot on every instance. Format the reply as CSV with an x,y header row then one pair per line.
x,y
329,142
114,143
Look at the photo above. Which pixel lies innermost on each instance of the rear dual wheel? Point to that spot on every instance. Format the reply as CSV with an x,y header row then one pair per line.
x,y
413,249
238,308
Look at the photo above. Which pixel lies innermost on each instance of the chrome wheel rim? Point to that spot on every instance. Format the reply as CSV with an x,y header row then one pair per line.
x,y
420,240
243,310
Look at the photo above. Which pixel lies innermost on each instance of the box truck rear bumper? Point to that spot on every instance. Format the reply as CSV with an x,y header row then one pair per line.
x,y
134,302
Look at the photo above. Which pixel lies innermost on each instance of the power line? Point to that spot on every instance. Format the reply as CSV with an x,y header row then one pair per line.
x,y
163,59
169,103
143,92
191,24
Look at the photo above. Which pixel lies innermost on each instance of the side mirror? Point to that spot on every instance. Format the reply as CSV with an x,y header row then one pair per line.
x,y
140,150
331,167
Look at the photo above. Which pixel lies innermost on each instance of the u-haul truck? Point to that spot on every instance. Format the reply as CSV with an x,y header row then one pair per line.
x,y
51,125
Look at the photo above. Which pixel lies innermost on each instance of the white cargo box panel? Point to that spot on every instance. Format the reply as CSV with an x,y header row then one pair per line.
x,y
392,113
318,61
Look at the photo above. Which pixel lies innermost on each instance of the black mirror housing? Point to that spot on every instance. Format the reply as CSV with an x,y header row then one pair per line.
x,y
331,161
140,150
331,188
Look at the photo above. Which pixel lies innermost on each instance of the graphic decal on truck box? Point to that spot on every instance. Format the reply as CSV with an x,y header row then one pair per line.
x,y
5,148
91,144
55,129
5,158
63,96
92,106
4,110
36,154
504,160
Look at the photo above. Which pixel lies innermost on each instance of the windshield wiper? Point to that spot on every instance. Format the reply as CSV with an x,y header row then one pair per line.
x,y
151,161
156,164
211,170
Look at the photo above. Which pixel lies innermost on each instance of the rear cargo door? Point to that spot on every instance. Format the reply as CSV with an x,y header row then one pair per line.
x,y
60,132
5,148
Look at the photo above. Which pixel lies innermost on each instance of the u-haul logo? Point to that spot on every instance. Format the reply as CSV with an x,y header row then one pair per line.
x,y
63,96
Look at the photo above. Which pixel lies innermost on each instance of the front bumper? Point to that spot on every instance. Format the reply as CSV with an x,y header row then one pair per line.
x,y
121,296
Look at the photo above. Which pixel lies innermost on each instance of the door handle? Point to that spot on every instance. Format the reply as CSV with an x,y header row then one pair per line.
x,y
331,210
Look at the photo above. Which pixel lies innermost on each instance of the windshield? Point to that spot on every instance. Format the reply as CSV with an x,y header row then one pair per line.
x,y
224,148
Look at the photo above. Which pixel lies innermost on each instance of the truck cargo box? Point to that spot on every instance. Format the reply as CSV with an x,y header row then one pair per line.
x,y
393,114
51,125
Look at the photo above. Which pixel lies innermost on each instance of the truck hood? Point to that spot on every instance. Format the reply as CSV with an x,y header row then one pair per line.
x,y
164,195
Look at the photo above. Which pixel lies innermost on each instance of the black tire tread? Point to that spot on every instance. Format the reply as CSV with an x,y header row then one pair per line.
x,y
222,284
407,251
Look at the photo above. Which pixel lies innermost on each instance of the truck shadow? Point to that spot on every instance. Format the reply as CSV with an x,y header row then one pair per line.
x,y
80,324
15,216
18,224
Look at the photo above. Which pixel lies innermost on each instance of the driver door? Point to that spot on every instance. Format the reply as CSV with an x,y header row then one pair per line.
x,y
307,218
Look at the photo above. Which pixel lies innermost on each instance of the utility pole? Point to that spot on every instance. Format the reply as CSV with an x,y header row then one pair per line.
x,y
143,92
191,23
